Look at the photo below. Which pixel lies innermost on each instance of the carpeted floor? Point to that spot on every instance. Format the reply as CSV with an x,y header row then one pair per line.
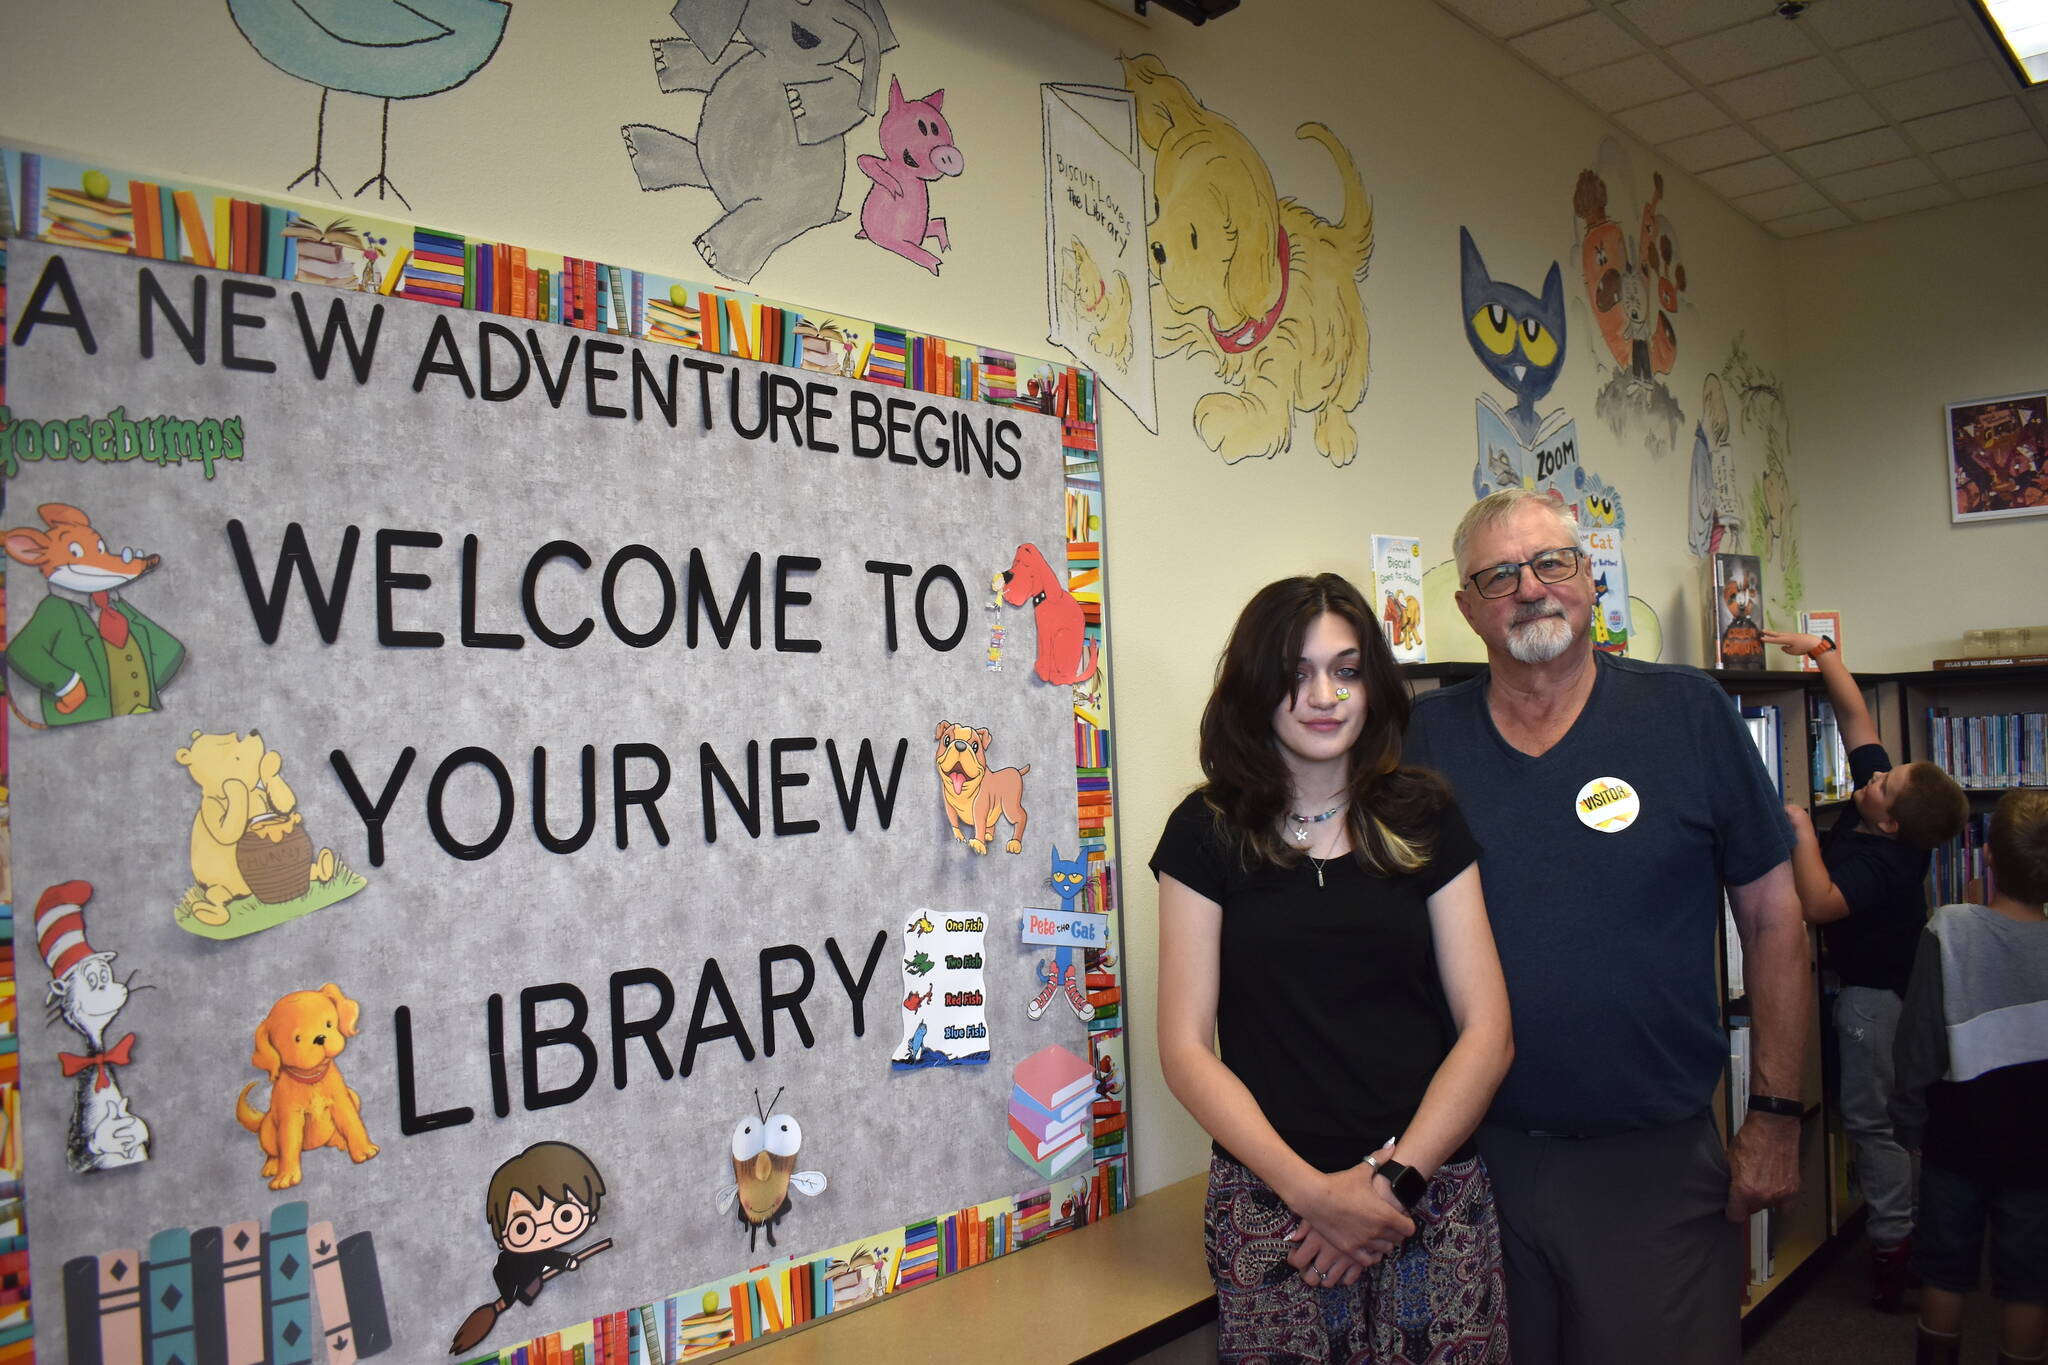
x,y
1830,1319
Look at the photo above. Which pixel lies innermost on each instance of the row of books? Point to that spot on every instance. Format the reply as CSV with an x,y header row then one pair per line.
x,y
771,1298
1091,746
1767,727
242,1294
1831,779
17,1332
1083,522
929,365
1959,871
1104,992
1993,752
174,224
1093,796
611,1343
1110,1126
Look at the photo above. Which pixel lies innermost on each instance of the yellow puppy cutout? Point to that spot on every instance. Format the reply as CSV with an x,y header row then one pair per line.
x,y
310,1105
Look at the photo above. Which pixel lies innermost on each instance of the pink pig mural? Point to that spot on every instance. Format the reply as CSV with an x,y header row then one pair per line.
x,y
917,148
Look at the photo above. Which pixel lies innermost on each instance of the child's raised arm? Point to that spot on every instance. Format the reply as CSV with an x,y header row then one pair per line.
x,y
1858,729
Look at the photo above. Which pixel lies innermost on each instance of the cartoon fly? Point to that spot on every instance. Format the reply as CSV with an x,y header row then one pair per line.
x,y
764,1148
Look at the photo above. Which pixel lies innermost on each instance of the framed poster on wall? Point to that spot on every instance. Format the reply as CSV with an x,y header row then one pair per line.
x,y
1998,457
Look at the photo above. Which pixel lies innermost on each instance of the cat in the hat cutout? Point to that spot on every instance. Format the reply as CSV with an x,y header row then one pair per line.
x,y
85,994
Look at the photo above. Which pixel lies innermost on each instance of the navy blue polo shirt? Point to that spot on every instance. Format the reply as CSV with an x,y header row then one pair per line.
x,y
1603,864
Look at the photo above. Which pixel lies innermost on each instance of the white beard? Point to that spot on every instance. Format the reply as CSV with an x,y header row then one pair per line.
x,y
1540,640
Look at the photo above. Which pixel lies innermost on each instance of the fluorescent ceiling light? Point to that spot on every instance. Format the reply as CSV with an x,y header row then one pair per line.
x,y
2021,26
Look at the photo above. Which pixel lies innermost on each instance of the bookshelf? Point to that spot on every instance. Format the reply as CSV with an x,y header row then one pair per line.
x,y
1956,717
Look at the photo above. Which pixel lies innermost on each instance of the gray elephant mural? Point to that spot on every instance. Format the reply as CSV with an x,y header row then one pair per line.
x,y
778,104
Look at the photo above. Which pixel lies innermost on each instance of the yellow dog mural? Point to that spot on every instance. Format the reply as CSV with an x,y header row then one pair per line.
x,y
1260,286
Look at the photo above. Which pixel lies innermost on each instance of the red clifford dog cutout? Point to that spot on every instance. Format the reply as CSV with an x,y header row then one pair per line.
x,y
1065,653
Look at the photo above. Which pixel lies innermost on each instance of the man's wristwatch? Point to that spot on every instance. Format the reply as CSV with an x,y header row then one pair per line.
x,y
1409,1184
1776,1104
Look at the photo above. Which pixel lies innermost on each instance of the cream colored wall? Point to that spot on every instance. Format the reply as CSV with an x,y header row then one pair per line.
x,y
1887,324
1446,129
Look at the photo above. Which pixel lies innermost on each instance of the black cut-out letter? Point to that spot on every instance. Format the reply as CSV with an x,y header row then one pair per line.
x,y
533,1039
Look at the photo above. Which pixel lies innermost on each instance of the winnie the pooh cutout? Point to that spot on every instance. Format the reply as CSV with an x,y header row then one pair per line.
x,y
254,865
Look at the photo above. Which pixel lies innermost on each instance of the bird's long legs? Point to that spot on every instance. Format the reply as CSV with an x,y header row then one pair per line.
x,y
316,174
381,180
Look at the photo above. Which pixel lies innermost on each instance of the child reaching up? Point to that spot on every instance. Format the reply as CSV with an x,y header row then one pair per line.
x,y
1863,884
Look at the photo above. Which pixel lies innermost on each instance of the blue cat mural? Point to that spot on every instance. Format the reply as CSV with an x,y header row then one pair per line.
x,y
1518,337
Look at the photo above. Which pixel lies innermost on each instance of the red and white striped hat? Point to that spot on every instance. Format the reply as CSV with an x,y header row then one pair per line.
x,y
60,927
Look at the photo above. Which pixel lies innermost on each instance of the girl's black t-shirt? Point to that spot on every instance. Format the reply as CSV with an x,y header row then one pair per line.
x,y
1330,1006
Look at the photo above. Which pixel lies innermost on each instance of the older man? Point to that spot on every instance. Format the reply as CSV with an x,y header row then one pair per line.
x,y
1615,799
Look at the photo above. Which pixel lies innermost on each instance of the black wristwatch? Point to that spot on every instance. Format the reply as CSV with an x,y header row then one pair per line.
x,y
1776,1104
1409,1184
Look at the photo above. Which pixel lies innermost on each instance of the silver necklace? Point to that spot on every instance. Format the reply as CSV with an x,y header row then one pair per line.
x,y
1299,834
1319,866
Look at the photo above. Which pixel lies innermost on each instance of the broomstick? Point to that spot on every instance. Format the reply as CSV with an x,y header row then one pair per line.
x,y
478,1324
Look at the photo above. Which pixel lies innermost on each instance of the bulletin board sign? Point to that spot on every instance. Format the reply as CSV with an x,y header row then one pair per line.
x,y
525,832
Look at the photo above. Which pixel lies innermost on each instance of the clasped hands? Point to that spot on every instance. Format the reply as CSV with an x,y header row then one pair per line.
x,y
1349,1222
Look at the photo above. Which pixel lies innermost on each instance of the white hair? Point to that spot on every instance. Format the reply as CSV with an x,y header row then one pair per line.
x,y
1498,507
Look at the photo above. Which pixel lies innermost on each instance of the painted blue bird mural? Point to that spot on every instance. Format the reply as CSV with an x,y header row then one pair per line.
x,y
387,49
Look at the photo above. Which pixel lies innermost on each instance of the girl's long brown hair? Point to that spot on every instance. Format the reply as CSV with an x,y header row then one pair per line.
x,y
1391,806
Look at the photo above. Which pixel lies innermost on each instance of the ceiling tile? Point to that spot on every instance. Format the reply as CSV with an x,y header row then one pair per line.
x,y
1951,89
1904,201
1576,45
1755,46
1679,116
1915,52
1889,178
1851,153
1671,21
1840,25
1748,177
1819,122
1506,18
1625,84
1781,203
1804,224
1719,147
1992,154
1787,87
2011,178
1967,125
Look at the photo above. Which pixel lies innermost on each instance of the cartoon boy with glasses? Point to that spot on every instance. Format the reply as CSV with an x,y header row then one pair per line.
x,y
539,1202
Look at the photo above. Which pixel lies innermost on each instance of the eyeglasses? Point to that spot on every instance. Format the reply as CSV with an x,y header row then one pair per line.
x,y
1552,566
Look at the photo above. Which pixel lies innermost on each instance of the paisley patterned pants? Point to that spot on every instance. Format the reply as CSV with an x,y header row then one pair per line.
x,y
1439,1299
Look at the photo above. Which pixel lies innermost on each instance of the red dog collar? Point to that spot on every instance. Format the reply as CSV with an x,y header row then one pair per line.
x,y
307,1075
1253,331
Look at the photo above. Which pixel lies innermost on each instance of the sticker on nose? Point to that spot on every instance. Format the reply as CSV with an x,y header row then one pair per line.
x,y
1607,804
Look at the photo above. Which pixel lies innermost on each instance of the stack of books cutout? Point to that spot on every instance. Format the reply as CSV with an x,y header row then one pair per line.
x,y
1050,1109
